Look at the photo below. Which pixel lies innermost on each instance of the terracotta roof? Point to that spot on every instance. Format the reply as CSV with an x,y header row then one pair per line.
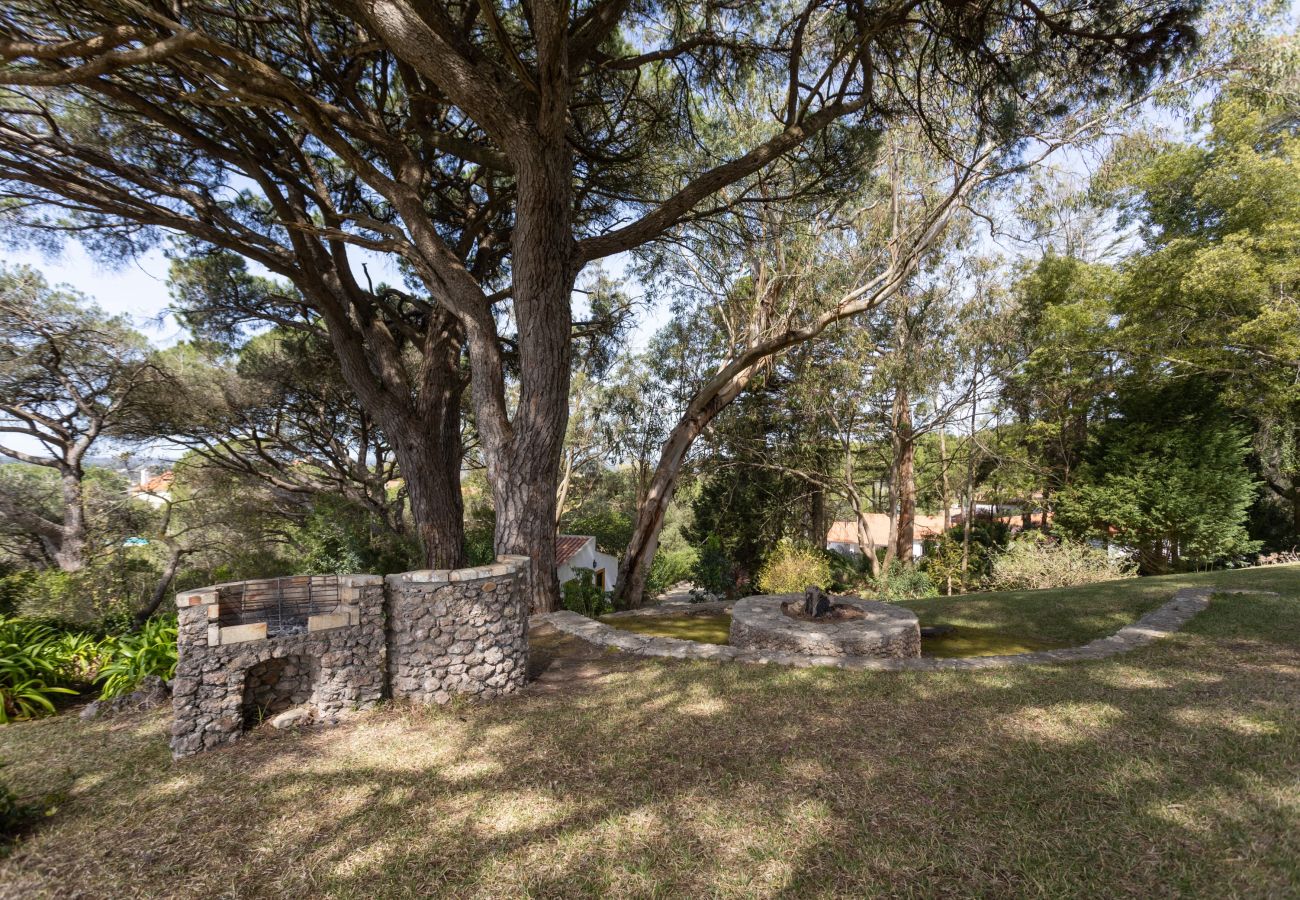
x,y
158,484
878,529
568,545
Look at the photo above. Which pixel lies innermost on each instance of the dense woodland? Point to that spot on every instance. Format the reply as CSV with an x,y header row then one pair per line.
x,y
1059,313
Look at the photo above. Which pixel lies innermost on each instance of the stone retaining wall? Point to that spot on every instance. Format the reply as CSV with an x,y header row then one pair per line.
x,y
1160,622
459,632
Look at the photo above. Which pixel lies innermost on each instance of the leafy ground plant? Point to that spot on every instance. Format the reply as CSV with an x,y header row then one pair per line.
x,y
149,651
31,673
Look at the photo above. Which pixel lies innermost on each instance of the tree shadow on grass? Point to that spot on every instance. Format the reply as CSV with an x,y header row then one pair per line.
x,y
1169,770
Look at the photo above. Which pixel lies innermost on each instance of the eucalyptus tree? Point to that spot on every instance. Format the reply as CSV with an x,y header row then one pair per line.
x,y
494,149
766,278
70,376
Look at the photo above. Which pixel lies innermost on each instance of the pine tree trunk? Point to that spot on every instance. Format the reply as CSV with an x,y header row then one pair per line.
x,y
70,555
524,456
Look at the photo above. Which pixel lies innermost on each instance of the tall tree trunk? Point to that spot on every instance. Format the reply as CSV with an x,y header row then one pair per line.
x,y
634,568
428,454
70,555
906,529
817,518
524,457
945,483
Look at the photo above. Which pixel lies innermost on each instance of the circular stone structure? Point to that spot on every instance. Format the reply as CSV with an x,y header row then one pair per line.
x,y
883,630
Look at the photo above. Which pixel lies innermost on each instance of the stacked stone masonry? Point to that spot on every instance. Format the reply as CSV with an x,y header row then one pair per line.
x,y
1161,622
426,636
460,632
880,630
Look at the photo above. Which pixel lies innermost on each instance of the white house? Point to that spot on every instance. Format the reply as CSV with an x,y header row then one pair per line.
x,y
578,551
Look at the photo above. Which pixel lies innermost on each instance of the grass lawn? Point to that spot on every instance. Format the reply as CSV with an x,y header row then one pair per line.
x,y
1170,771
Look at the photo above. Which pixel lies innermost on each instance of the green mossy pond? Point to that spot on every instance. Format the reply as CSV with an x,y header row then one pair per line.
x,y
714,628
705,628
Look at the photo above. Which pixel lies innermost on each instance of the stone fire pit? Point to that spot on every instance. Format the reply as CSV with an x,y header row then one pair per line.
x,y
851,627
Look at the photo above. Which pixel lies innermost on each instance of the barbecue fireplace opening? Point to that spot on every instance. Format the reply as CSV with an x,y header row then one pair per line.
x,y
276,685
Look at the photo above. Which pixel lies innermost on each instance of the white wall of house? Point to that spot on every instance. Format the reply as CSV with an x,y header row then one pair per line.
x,y
603,564
840,547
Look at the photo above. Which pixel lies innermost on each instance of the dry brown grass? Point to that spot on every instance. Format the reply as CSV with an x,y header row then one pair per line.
x,y
1172,771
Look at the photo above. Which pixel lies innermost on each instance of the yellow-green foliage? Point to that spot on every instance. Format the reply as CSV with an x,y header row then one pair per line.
x,y
791,568
1033,563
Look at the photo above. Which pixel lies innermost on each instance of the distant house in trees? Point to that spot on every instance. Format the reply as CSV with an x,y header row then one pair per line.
x,y
843,536
153,489
578,551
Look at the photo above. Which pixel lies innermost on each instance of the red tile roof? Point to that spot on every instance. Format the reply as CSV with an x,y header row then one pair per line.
x,y
159,484
878,529
568,545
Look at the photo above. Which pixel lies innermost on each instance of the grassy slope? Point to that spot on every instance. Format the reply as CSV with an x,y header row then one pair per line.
x,y
1174,770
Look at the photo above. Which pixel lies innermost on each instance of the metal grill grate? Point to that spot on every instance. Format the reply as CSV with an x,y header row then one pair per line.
x,y
284,604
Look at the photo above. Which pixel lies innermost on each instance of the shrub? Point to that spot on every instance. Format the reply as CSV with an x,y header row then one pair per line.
x,y
670,567
904,582
101,597
1036,561
583,596
149,651
714,572
31,674
943,563
790,568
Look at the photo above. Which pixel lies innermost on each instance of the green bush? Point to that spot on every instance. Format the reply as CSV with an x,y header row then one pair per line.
x,y
1036,561
790,568
583,596
101,597
714,572
904,582
670,567
149,651
31,673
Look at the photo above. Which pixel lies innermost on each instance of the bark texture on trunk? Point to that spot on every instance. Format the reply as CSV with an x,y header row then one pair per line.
x,y
524,455
905,478
70,555
634,568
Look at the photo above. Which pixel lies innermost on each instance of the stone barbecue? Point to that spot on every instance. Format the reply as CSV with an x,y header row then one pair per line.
x,y
319,647
820,626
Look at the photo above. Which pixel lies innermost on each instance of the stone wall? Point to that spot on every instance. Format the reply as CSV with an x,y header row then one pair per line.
x,y
461,631
881,630
1159,623
342,653
426,636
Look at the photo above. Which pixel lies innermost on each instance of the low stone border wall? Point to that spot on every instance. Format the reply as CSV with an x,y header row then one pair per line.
x,y
1160,622
880,630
